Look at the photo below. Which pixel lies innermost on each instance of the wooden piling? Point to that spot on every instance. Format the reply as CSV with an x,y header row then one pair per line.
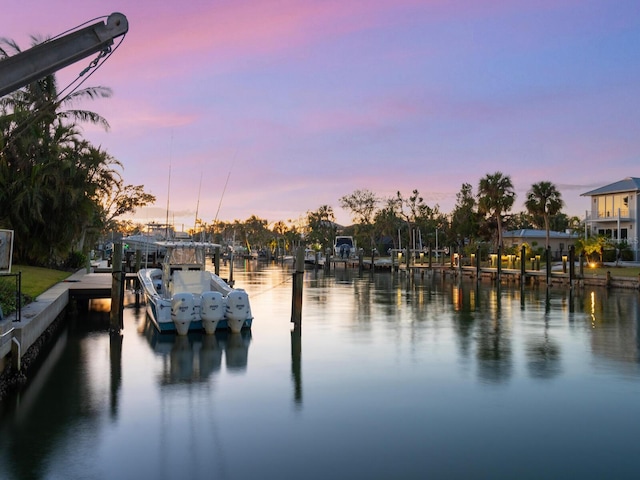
x,y
117,289
548,261
327,260
216,260
298,280
523,265
572,266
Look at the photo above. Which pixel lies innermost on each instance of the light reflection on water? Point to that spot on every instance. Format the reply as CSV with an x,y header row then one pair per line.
x,y
389,378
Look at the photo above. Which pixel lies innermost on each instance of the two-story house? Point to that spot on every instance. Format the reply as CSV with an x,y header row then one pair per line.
x,y
614,212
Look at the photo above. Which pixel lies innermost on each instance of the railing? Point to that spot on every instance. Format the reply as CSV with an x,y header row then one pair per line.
x,y
608,214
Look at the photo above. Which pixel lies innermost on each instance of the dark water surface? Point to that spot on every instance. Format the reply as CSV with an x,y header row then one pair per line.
x,y
389,379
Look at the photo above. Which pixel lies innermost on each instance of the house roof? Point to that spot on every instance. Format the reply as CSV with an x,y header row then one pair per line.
x,y
531,233
629,184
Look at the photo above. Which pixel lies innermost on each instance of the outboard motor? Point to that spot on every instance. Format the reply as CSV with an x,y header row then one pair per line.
x,y
238,310
212,310
183,311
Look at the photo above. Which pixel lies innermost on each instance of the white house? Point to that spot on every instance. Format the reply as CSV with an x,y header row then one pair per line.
x,y
614,212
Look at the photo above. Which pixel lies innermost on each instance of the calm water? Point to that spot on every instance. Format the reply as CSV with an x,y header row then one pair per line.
x,y
389,379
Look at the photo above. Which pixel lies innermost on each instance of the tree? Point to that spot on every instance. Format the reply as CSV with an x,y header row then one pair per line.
x,y
544,199
464,219
321,227
256,232
387,223
362,205
417,214
495,197
593,245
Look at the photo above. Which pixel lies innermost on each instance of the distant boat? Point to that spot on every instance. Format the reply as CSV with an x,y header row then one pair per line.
x,y
312,257
183,296
344,247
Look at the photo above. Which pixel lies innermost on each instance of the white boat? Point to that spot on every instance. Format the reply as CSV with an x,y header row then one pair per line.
x,y
183,295
312,257
344,247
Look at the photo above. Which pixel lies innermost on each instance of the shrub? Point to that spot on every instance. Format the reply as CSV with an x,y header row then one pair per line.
x,y
8,295
75,260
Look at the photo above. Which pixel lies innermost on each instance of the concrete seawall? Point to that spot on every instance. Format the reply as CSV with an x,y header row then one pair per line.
x,y
17,337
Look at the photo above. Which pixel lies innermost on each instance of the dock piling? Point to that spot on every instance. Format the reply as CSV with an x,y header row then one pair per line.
x,y
298,280
117,289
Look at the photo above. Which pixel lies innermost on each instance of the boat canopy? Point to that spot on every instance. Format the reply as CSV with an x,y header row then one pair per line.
x,y
186,255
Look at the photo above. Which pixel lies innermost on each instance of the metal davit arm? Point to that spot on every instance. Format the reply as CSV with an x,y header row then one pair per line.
x,y
48,57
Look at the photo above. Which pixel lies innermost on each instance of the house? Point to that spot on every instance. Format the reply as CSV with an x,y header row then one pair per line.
x,y
614,212
558,241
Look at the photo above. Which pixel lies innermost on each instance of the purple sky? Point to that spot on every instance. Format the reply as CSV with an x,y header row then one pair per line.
x,y
299,103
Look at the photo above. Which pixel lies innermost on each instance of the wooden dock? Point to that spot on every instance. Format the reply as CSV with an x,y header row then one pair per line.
x,y
94,285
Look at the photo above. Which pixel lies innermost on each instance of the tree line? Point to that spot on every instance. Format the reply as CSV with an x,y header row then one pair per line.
x,y
478,218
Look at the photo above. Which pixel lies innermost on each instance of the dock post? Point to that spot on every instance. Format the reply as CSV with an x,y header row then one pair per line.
x,y
548,260
581,266
298,280
523,251
117,287
478,264
216,260
360,260
499,259
572,266
327,260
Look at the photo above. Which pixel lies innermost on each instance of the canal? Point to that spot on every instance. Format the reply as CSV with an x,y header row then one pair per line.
x,y
389,379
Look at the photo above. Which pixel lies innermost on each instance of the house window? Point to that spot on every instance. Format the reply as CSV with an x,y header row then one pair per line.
x,y
623,233
610,205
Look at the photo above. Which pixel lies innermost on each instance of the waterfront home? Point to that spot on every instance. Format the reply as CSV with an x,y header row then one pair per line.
x,y
614,212
558,241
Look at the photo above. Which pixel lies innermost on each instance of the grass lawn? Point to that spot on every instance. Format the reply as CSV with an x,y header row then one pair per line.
x,y
615,271
36,280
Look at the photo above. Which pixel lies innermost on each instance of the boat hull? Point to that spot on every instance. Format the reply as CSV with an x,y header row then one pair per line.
x,y
182,321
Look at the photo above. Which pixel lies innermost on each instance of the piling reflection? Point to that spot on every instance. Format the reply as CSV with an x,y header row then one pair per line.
x,y
196,356
296,370
115,357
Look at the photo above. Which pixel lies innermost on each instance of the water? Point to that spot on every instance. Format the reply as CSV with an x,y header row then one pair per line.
x,y
389,379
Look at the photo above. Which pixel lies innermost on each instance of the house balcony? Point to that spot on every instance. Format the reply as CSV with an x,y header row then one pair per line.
x,y
622,215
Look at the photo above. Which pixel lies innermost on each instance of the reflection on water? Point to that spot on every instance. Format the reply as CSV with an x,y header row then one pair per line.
x,y
388,377
196,356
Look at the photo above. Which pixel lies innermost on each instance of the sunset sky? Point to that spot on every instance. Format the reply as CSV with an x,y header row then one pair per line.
x,y
298,103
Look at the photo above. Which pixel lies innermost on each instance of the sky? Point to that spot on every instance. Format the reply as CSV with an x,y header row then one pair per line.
x,y
225,109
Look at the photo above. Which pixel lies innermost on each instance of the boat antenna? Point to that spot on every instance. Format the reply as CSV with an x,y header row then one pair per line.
x,y
222,196
195,223
166,223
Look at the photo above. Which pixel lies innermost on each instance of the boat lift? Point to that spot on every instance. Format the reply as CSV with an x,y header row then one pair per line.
x,y
48,57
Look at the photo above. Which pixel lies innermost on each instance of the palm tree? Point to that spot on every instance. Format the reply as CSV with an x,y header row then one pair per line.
x,y
544,199
45,167
496,196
